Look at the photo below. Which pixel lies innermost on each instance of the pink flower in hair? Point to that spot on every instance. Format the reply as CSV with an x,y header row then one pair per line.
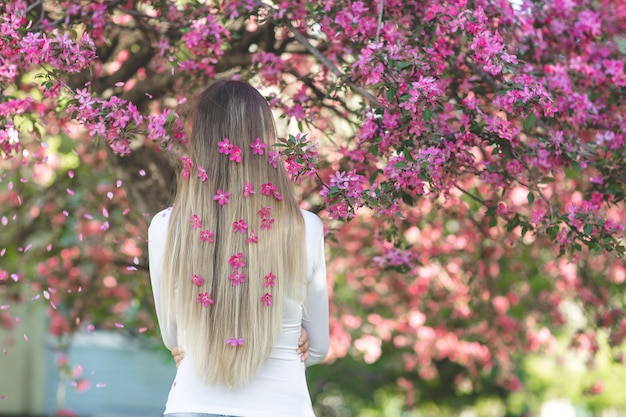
x,y
221,197
258,148
225,146
269,279
237,278
247,189
196,223
268,188
197,280
267,299
202,174
236,261
240,226
235,154
233,341
253,238
264,212
277,195
205,299
206,236
266,223
187,166
273,158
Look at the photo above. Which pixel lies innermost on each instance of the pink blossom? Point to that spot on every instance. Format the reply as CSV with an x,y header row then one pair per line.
x,y
221,197
225,146
207,236
237,278
248,189
273,159
205,299
235,154
266,224
252,238
202,174
265,212
240,226
258,148
269,279
196,222
234,341
236,261
196,280
187,166
266,299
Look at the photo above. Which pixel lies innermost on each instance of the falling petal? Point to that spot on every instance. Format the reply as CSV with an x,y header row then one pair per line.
x,y
35,298
88,216
131,268
5,307
105,226
142,329
15,277
119,325
27,248
3,251
65,213
46,294
120,84
105,212
82,385
70,192
54,306
10,186
90,328
126,211
142,173
118,183
100,385
110,195
70,173
136,260
26,337
4,220
49,247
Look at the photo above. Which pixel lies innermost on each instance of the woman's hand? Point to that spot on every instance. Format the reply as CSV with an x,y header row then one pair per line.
x,y
303,345
178,355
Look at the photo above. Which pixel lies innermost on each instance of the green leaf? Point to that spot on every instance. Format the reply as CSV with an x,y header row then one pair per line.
x,y
391,93
426,114
588,229
530,121
530,197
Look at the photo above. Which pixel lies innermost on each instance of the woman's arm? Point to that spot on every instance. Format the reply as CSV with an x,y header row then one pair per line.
x,y
157,234
315,319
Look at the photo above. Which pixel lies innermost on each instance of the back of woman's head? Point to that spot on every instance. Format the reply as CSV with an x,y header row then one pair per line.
x,y
236,237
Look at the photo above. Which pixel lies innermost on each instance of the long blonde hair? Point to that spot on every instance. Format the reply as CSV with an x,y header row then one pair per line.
x,y
231,322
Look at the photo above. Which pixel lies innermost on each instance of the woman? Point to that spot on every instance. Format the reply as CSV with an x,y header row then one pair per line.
x,y
237,268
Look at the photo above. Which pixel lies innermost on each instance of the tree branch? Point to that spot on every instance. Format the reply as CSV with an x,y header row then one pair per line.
x,y
333,68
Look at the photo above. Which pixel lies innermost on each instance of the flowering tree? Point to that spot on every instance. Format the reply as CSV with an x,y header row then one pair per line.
x,y
468,157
